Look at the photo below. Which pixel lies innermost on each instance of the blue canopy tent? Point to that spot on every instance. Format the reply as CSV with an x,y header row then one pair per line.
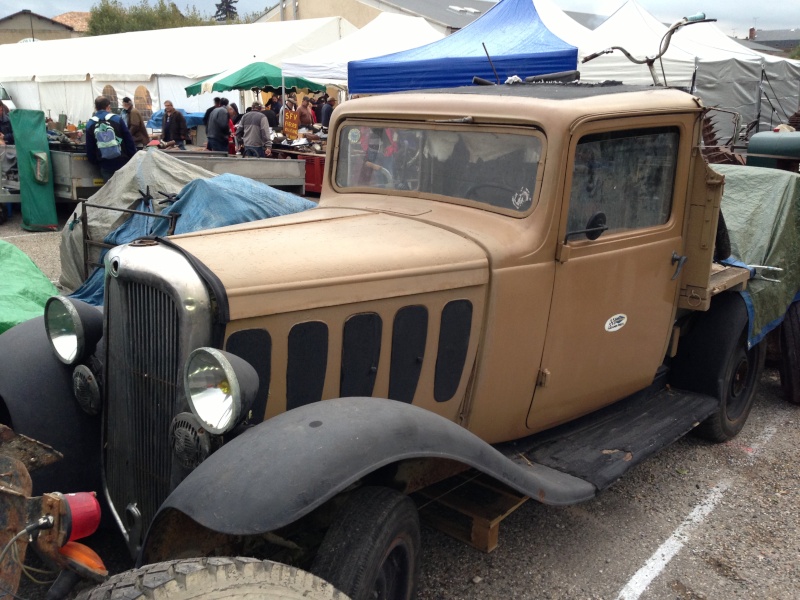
x,y
516,39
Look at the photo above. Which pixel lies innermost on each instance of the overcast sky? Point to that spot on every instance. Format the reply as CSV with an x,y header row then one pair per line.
x,y
733,15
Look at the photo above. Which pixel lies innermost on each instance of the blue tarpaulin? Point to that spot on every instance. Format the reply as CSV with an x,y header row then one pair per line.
x,y
515,37
192,119
202,204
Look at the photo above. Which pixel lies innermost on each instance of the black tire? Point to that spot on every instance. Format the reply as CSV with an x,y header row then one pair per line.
x,y
742,372
372,550
713,359
214,579
722,243
790,354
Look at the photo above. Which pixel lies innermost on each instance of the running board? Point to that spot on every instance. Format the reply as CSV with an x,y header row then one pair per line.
x,y
600,447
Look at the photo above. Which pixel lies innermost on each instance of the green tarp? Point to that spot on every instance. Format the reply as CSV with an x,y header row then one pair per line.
x,y
35,170
24,289
762,211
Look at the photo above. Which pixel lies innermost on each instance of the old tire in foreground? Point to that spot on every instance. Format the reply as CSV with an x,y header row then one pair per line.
x,y
215,579
372,550
790,354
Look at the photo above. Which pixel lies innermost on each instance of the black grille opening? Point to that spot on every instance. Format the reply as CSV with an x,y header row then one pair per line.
x,y
142,395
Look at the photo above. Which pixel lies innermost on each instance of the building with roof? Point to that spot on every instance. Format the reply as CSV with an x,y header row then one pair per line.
x,y
784,40
446,16
79,21
27,26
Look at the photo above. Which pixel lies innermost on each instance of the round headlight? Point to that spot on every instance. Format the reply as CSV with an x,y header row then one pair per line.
x,y
220,388
73,328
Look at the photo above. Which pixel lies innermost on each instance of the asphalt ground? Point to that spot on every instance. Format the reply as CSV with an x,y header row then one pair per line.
x,y
698,521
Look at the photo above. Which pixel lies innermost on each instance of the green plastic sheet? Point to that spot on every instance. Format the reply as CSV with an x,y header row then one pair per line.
x,y
35,170
24,289
762,211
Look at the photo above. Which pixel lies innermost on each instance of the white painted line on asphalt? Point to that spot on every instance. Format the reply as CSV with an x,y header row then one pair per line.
x,y
28,235
656,563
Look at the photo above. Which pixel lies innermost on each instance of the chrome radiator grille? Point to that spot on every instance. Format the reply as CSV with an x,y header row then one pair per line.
x,y
143,395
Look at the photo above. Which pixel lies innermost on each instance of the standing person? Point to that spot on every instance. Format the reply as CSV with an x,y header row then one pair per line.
x,y
234,117
272,115
6,134
173,126
277,104
255,133
218,127
209,109
316,106
109,143
217,100
290,105
135,124
233,113
306,116
327,111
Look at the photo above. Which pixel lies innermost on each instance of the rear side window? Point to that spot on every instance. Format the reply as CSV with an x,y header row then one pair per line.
x,y
627,175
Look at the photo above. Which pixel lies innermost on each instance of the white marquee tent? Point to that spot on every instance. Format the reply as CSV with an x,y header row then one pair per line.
x,y
723,73
386,34
777,83
64,76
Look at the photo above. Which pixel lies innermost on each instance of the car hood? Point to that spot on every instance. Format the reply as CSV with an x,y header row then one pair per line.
x,y
326,257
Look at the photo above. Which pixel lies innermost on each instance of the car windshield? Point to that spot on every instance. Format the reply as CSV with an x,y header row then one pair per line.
x,y
495,168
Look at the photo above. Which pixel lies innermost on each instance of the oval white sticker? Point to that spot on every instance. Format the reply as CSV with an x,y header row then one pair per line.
x,y
616,322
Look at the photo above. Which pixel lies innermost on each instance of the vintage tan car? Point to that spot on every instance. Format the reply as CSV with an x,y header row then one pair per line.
x,y
518,280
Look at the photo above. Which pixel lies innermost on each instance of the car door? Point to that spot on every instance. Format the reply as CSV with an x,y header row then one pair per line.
x,y
613,302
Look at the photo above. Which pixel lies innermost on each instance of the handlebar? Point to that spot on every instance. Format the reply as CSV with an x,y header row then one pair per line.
x,y
662,47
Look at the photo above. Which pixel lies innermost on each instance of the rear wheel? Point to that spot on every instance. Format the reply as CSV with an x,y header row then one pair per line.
x,y
737,394
713,359
372,550
790,354
214,579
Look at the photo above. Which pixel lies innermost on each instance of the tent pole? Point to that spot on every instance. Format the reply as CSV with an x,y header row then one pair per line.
x,y
760,99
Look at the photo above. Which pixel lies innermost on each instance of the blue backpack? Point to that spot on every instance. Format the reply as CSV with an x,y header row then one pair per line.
x,y
108,144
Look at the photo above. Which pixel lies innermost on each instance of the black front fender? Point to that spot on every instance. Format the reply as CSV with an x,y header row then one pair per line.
x,y
287,466
37,399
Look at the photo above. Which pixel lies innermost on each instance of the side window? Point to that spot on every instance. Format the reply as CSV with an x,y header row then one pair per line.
x,y
628,175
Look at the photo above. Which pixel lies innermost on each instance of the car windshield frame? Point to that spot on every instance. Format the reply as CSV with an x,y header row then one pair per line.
x,y
492,167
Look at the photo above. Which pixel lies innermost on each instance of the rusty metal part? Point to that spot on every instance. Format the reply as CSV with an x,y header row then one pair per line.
x,y
50,540
178,535
15,487
31,453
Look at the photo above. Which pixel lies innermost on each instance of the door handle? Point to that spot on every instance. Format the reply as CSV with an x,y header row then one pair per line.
x,y
680,260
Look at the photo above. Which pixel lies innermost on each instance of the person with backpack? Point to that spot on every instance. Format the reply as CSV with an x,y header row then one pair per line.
x,y
109,143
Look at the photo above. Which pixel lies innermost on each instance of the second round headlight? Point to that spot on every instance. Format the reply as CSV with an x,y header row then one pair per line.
x,y
220,388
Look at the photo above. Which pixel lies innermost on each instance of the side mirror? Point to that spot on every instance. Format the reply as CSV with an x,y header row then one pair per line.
x,y
594,228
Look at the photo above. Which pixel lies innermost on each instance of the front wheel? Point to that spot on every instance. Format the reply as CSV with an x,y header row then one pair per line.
x,y
214,579
372,550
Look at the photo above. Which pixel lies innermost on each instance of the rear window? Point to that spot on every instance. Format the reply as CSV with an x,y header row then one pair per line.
x,y
496,169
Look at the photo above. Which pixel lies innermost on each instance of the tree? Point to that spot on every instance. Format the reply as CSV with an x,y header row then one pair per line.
x,y
110,16
226,10
795,53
